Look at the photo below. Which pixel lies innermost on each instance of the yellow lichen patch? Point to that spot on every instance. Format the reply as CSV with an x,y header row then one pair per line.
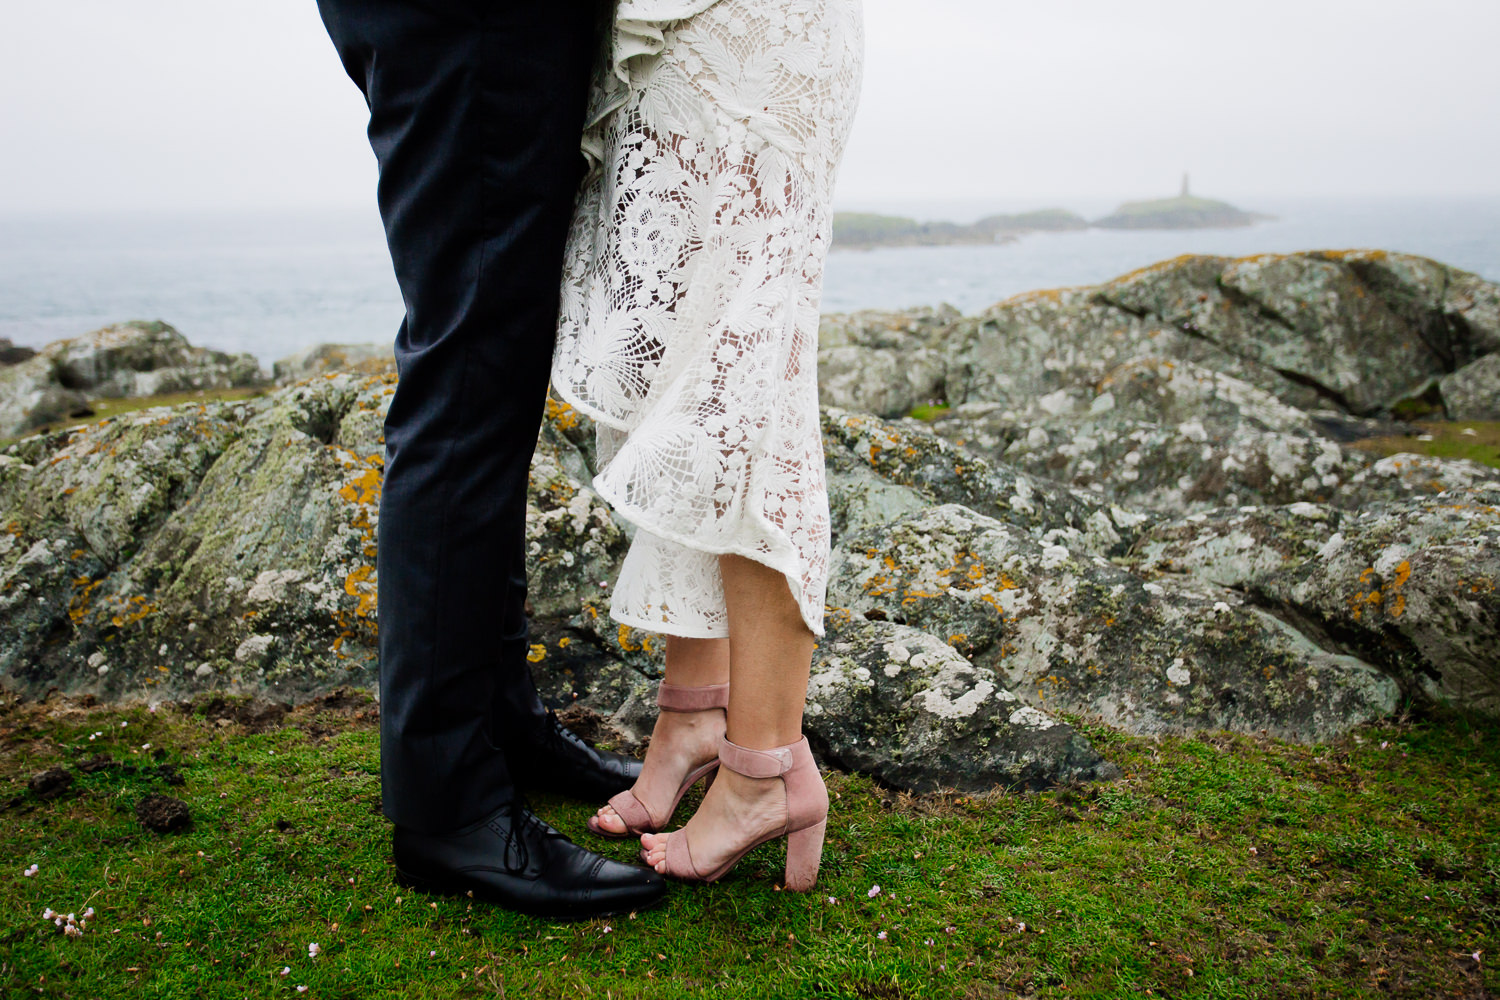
x,y
363,489
624,637
957,640
564,642
561,414
537,653
79,605
360,584
135,608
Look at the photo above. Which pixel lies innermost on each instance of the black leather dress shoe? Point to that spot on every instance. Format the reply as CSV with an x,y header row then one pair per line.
x,y
513,858
556,760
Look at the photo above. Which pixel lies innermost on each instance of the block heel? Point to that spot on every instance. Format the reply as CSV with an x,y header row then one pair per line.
x,y
804,853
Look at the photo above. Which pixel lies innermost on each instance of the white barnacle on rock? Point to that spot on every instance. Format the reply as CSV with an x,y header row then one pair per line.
x,y
1193,430
1390,558
1178,674
965,705
1332,546
1031,718
253,649
1055,404
270,585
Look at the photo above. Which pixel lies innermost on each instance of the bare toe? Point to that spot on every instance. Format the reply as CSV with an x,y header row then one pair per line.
x,y
609,821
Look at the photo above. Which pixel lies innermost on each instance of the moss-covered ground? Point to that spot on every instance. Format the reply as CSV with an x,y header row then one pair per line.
x,y
1217,866
1476,440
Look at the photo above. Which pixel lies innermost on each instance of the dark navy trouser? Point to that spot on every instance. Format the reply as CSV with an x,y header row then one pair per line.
x,y
476,108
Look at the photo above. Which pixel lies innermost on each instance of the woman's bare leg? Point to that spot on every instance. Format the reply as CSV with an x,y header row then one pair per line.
x,y
680,741
770,654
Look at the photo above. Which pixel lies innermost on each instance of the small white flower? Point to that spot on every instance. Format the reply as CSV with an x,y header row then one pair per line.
x,y
881,935
608,929
48,913
313,949
832,900
31,871
302,989
874,891
124,724
286,970
145,746
432,954
89,913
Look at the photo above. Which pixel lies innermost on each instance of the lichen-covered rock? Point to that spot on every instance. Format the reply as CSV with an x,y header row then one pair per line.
x,y
11,354
1363,328
1409,477
232,545
1473,392
322,359
905,707
1070,631
1166,435
1409,587
1359,330
125,360
879,470
883,363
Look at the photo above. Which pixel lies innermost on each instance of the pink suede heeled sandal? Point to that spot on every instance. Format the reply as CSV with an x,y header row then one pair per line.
x,y
806,809
632,812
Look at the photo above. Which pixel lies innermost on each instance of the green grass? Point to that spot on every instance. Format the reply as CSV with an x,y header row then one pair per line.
x,y
1217,867
928,411
1476,440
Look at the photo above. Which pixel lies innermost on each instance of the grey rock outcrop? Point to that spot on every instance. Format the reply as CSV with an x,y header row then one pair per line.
x,y
1473,392
904,706
323,359
1410,587
126,360
1070,631
11,354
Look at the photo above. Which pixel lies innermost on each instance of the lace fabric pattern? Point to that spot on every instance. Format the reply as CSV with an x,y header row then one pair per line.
x,y
689,315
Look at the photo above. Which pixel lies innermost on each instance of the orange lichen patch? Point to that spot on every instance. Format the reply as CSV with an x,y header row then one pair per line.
x,y
564,642
14,527
537,653
1386,596
957,640
360,584
79,605
135,608
1346,254
627,643
363,489
561,414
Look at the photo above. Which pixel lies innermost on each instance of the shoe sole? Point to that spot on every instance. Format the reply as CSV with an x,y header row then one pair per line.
x,y
433,888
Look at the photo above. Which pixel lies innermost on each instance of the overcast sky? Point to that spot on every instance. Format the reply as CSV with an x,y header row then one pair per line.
x,y
190,104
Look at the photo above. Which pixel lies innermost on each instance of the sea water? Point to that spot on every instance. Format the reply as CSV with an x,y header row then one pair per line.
x,y
273,283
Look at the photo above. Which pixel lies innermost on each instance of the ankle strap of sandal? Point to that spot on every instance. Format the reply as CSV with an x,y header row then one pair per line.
x,y
683,698
772,763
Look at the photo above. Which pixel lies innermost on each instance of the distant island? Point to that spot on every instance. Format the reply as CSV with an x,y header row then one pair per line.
x,y
865,231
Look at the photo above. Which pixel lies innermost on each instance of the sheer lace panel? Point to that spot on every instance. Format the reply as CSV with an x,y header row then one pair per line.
x,y
688,326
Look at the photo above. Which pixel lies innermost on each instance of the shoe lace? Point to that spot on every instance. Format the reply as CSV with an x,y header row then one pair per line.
x,y
523,816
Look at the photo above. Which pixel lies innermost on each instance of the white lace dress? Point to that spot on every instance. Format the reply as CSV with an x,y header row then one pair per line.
x,y
689,317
